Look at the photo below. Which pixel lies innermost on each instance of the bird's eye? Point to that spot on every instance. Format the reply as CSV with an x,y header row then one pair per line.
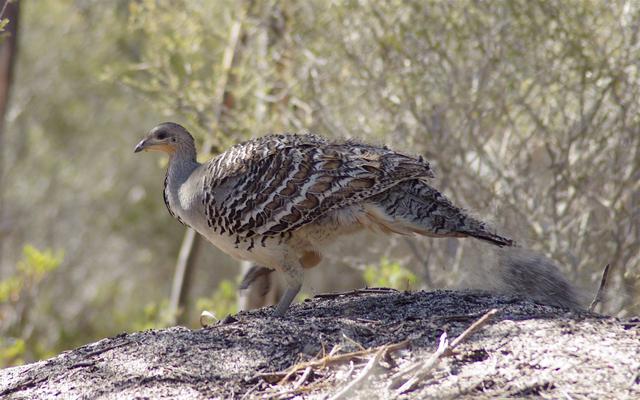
x,y
173,139
161,136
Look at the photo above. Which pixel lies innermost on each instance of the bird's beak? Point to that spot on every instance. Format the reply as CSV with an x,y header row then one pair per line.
x,y
151,144
140,146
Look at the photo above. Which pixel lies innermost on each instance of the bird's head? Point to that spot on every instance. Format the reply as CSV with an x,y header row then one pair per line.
x,y
167,137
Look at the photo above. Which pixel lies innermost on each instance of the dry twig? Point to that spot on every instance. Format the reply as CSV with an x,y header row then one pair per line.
x,y
603,283
473,328
445,348
426,367
366,371
288,393
354,292
297,388
303,378
348,339
330,359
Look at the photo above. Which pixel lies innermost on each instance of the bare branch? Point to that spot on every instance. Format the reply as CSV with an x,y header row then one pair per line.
x,y
603,283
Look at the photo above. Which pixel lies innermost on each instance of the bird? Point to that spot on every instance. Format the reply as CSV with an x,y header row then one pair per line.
x,y
279,200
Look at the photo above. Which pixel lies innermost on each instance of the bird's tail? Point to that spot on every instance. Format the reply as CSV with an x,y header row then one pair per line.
x,y
480,230
415,207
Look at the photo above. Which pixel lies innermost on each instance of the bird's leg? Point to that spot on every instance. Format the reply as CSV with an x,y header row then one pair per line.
x,y
252,275
288,296
258,288
293,275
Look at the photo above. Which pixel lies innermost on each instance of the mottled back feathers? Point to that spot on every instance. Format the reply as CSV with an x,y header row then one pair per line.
x,y
275,184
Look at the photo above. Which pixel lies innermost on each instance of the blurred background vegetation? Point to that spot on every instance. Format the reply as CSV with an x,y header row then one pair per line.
x,y
529,111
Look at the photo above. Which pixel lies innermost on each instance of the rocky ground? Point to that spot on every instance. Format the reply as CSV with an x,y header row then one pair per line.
x,y
373,344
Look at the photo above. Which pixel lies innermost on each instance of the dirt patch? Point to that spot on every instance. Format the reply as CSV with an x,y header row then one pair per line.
x,y
525,350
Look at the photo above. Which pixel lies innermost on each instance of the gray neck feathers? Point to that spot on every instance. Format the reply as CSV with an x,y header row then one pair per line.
x,y
181,164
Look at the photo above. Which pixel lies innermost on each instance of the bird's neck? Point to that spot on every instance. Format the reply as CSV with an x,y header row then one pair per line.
x,y
182,163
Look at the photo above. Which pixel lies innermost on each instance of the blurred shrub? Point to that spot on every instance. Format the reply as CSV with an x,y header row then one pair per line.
x,y
154,315
390,274
30,271
12,351
222,302
17,295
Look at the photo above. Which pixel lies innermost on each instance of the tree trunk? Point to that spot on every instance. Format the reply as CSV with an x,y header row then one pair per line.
x,y
8,52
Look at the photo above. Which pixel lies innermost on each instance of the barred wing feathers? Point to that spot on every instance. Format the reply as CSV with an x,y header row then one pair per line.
x,y
278,183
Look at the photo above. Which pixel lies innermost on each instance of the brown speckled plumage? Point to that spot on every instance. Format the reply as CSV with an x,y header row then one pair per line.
x,y
275,184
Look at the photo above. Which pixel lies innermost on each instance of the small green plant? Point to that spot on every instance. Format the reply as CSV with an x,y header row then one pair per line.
x,y
3,24
390,274
21,289
11,351
35,264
